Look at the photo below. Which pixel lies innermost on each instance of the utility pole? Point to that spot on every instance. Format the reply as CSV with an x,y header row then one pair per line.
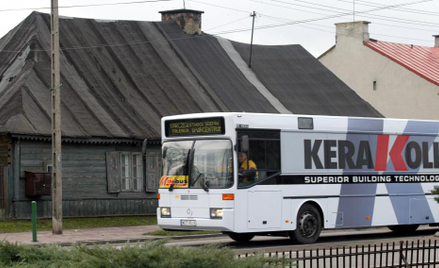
x,y
56,124
251,41
353,7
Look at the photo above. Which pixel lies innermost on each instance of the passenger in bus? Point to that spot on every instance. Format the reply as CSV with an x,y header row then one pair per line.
x,y
247,168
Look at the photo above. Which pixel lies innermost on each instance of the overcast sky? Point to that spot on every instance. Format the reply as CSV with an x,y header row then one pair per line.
x,y
309,23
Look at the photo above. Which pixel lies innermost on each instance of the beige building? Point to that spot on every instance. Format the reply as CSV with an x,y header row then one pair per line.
x,y
399,80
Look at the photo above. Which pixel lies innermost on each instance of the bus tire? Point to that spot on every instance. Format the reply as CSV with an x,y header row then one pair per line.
x,y
308,225
404,228
241,237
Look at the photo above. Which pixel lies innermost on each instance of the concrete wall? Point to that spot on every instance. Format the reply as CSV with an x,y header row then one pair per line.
x,y
399,92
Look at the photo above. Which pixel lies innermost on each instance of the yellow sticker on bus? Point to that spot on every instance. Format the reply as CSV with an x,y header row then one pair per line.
x,y
180,181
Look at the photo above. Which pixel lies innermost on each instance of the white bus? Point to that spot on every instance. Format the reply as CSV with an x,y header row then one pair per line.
x,y
303,173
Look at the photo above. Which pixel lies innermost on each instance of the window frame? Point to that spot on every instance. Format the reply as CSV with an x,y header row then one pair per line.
x,y
246,131
195,139
131,168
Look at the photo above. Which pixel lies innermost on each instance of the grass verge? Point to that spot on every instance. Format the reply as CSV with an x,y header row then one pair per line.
x,y
150,254
15,226
180,233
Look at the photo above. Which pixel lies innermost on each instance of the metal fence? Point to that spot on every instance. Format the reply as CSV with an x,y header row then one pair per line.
x,y
395,255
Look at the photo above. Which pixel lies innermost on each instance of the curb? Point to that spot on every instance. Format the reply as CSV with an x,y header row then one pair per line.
x,y
124,241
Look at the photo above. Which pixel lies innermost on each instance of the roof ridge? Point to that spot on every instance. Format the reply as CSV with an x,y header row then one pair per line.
x,y
403,44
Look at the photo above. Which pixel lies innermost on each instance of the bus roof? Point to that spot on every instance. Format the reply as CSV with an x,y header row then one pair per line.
x,y
342,124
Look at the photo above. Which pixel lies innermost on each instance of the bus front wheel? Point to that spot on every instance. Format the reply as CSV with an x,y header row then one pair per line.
x,y
308,225
241,238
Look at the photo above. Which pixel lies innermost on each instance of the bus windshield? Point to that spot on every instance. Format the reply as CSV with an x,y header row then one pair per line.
x,y
210,162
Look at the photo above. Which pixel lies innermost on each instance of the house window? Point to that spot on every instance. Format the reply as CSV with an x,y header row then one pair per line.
x,y
125,171
131,172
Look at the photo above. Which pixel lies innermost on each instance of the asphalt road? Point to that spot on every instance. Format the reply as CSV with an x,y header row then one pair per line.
x,y
328,239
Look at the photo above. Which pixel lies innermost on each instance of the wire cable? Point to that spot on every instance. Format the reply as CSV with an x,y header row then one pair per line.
x,y
222,25
410,10
317,19
377,17
218,33
334,9
333,32
224,7
79,6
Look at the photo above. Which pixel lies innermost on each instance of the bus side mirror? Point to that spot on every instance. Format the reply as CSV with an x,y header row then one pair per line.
x,y
244,143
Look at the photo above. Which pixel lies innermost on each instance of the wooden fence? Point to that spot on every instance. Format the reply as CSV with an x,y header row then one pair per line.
x,y
394,255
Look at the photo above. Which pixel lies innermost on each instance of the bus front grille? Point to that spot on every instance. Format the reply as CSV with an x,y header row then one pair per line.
x,y
189,197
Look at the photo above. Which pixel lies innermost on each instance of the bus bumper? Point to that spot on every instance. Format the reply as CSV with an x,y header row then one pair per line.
x,y
224,224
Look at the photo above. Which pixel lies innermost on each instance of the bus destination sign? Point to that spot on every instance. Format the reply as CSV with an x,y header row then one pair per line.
x,y
195,127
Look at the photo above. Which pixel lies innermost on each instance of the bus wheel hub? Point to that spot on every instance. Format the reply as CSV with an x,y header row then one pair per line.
x,y
308,224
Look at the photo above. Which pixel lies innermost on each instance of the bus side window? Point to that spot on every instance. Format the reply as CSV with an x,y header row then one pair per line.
x,y
264,151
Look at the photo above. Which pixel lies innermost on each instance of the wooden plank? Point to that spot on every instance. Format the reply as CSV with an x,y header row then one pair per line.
x,y
83,208
36,156
2,190
84,163
84,176
86,170
16,163
5,151
6,192
153,171
113,175
32,163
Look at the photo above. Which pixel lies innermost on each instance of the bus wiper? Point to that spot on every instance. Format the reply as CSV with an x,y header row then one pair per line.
x,y
196,179
203,185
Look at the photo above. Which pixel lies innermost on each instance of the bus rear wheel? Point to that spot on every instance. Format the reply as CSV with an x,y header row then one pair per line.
x,y
404,228
309,225
241,238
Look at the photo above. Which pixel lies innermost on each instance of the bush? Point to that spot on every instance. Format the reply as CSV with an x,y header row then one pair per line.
x,y
436,191
150,254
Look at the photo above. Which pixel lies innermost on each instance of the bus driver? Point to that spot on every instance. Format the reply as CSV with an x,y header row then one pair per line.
x,y
247,168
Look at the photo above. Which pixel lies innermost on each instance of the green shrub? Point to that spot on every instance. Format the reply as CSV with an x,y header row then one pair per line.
x,y
435,191
151,254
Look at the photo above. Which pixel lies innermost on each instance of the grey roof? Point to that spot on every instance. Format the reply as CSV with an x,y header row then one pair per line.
x,y
120,77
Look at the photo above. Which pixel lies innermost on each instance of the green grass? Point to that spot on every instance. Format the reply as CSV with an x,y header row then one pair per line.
x,y
15,226
151,254
180,233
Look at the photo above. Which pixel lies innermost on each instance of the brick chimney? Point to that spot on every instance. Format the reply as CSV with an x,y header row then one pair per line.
x,y
189,20
436,40
358,30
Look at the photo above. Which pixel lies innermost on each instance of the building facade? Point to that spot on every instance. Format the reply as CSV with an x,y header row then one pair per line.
x,y
399,80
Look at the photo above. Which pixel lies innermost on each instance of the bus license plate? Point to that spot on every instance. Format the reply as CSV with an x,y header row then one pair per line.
x,y
191,223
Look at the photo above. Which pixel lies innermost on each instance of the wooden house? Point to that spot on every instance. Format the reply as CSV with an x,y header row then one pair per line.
x,y
119,78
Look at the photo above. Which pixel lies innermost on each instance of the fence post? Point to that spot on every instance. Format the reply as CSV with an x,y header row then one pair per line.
x,y
34,221
402,258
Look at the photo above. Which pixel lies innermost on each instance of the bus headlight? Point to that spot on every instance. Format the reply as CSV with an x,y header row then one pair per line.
x,y
165,212
216,213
